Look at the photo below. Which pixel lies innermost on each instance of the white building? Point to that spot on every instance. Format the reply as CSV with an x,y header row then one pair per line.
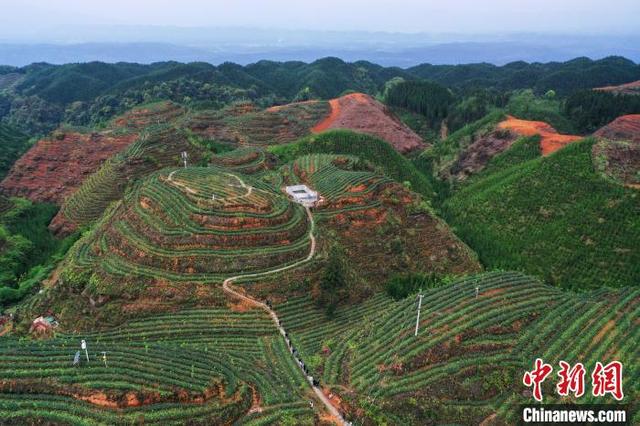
x,y
303,195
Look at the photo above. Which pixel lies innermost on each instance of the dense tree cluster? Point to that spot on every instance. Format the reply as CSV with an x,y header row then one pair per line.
x,y
429,99
590,109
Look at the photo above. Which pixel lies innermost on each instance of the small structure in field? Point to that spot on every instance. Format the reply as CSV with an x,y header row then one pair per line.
x,y
302,194
43,326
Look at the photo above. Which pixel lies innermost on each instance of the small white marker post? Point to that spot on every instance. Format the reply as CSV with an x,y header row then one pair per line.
x,y
420,296
477,291
83,345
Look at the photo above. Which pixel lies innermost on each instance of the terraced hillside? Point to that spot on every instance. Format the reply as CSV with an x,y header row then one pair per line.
x,y
143,116
466,363
246,160
204,366
368,148
243,125
182,230
383,228
156,147
554,217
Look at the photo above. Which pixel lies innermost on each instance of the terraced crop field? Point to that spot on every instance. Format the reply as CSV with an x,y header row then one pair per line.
x,y
199,224
247,160
258,128
143,116
344,181
155,148
205,366
466,362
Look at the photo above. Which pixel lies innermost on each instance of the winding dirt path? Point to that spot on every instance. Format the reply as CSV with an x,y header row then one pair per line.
x,y
228,288
334,104
179,184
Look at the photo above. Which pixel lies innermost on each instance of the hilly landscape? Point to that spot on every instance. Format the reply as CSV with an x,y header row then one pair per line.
x,y
290,243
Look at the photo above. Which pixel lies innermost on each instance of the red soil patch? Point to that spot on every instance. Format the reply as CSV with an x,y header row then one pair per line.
x,y
551,140
55,167
603,332
625,128
492,292
330,119
632,88
362,113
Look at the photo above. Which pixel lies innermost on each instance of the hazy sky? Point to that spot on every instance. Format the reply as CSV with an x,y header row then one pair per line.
x,y
456,16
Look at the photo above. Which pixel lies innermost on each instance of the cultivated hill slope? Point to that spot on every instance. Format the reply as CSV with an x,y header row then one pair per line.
x,y
156,147
244,125
617,153
178,233
467,361
554,217
199,366
366,147
56,166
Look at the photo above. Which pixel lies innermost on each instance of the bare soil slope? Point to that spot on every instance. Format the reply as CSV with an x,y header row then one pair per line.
x,y
550,141
617,153
632,88
625,128
362,113
56,166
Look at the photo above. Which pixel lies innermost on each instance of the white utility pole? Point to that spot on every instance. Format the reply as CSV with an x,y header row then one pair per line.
x,y
83,345
420,296
184,156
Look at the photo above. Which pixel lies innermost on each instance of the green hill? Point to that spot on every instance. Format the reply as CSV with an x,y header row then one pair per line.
x,y
553,217
13,144
366,147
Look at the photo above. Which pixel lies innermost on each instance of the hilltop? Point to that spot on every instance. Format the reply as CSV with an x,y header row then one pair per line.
x,y
362,113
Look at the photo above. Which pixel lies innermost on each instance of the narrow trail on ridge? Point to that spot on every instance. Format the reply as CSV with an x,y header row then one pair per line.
x,y
227,287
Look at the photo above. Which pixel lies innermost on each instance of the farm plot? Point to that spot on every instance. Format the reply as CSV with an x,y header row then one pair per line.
x,y
198,225
247,160
258,128
467,361
344,181
155,148
210,366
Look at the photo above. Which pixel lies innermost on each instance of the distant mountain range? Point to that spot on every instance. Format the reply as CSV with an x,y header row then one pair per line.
x,y
244,46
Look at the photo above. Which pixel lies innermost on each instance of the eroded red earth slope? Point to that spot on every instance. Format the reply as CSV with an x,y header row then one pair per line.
x,y
56,166
550,141
362,113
